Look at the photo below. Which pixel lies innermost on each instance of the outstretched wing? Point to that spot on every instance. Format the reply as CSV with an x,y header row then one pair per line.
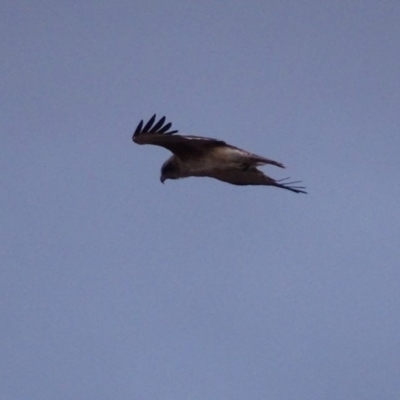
x,y
159,134
254,176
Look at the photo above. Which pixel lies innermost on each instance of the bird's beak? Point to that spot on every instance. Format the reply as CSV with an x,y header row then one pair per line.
x,y
162,179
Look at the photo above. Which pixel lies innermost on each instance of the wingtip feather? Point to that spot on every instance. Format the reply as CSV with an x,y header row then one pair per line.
x,y
149,124
138,128
150,128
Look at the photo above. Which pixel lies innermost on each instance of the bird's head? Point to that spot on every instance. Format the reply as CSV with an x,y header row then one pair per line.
x,y
170,170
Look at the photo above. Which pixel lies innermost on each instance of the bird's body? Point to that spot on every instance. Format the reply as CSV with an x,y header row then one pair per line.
x,y
207,157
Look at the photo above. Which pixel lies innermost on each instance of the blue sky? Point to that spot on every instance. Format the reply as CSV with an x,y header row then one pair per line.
x,y
116,286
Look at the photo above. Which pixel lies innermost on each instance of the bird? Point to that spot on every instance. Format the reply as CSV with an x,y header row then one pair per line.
x,y
207,157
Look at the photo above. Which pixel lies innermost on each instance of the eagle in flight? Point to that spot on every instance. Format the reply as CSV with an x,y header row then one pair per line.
x,y
202,156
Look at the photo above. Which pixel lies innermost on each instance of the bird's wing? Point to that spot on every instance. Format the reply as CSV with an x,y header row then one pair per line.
x,y
246,158
253,176
159,134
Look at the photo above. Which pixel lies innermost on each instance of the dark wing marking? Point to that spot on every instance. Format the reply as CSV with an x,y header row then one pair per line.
x,y
150,129
182,146
289,185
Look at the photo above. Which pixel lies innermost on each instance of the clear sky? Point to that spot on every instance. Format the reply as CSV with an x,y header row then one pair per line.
x,y
114,286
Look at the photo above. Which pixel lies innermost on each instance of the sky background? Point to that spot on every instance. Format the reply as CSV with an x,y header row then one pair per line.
x,y
114,286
